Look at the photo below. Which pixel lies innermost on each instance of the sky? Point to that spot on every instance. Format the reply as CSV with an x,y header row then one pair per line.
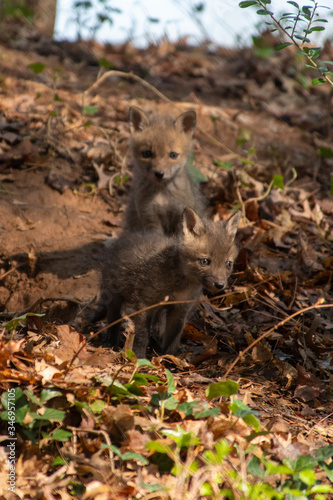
x,y
148,20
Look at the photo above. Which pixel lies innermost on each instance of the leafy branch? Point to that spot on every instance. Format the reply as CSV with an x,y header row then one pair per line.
x,y
289,25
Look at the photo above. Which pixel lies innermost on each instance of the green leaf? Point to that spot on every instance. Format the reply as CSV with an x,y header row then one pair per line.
x,y
318,81
158,447
188,407
306,9
321,488
58,461
16,404
145,362
152,487
302,463
206,490
227,165
37,67
118,388
129,354
31,396
239,409
142,378
247,3
308,477
281,46
264,12
171,403
183,439
325,452
97,406
61,435
170,382
49,414
112,447
205,413
326,62
131,455
134,389
317,28
139,379
314,52
48,394
15,322
252,421
254,467
278,181
90,110
294,4
105,64
272,468
227,388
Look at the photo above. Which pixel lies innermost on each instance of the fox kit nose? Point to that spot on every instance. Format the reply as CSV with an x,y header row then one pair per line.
x,y
219,285
159,174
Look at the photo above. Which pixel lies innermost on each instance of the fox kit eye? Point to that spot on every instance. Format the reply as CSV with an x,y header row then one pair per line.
x,y
173,155
204,261
146,154
228,264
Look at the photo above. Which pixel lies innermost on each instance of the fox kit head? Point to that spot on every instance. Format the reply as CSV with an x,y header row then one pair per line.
x,y
209,249
160,144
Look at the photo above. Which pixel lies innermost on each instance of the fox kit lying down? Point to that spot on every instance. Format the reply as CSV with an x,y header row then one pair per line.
x,y
161,186
145,267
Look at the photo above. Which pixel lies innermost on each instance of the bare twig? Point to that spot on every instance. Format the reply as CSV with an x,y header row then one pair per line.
x,y
148,308
318,305
41,300
10,271
97,432
131,75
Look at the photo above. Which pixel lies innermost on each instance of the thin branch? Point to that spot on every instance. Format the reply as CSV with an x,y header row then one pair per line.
x,y
319,305
148,308
97,432
131,75
299,47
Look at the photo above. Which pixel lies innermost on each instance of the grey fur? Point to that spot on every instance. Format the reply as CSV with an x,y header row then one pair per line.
x,y
145,267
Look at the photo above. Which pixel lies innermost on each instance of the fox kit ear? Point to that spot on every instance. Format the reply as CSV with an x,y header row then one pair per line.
x,y
186,122
192,224
138,119
231,224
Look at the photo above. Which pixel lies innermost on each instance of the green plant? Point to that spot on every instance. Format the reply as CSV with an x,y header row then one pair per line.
x,y
16,9
221,468
297,26
91,15
41,418
20,321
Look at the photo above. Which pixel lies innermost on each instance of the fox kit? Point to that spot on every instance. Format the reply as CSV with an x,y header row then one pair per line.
x,y
161,186
145,267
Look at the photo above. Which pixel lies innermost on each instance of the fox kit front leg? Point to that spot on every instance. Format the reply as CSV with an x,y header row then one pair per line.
x,y
175,321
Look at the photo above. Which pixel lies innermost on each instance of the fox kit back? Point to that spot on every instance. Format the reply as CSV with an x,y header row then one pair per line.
x,y
145,267
161,186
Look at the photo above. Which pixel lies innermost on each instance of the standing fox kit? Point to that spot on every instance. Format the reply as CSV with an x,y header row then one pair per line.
x,y
161,186
145,267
